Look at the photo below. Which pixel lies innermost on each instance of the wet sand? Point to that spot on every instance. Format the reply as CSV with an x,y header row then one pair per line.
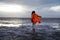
x,y
25,32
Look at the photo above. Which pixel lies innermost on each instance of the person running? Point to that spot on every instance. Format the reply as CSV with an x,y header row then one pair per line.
x,y
35,18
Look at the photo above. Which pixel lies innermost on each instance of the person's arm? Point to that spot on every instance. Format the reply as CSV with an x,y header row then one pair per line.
x,y
38,15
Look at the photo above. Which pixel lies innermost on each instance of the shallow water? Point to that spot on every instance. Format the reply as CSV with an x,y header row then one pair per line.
x,y
42,32
21,29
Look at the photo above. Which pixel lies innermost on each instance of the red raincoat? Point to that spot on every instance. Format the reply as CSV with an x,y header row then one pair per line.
x,y
35,18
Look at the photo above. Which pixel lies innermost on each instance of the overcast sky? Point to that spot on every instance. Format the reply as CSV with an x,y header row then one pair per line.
x,y
23,8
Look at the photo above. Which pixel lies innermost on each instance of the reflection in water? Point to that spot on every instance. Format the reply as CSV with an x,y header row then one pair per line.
x,y
24,32
21,29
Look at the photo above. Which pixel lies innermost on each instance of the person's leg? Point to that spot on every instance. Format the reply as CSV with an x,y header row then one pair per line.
x,y
33,31
33,27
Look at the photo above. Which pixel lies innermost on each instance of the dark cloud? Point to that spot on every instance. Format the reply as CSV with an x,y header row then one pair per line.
x,y
25,2
33,2
50,1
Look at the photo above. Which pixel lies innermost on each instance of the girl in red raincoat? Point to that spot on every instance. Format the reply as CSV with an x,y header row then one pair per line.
x,y
35,18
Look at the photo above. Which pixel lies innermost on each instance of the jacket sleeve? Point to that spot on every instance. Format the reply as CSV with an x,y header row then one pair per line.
x,y
38,15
